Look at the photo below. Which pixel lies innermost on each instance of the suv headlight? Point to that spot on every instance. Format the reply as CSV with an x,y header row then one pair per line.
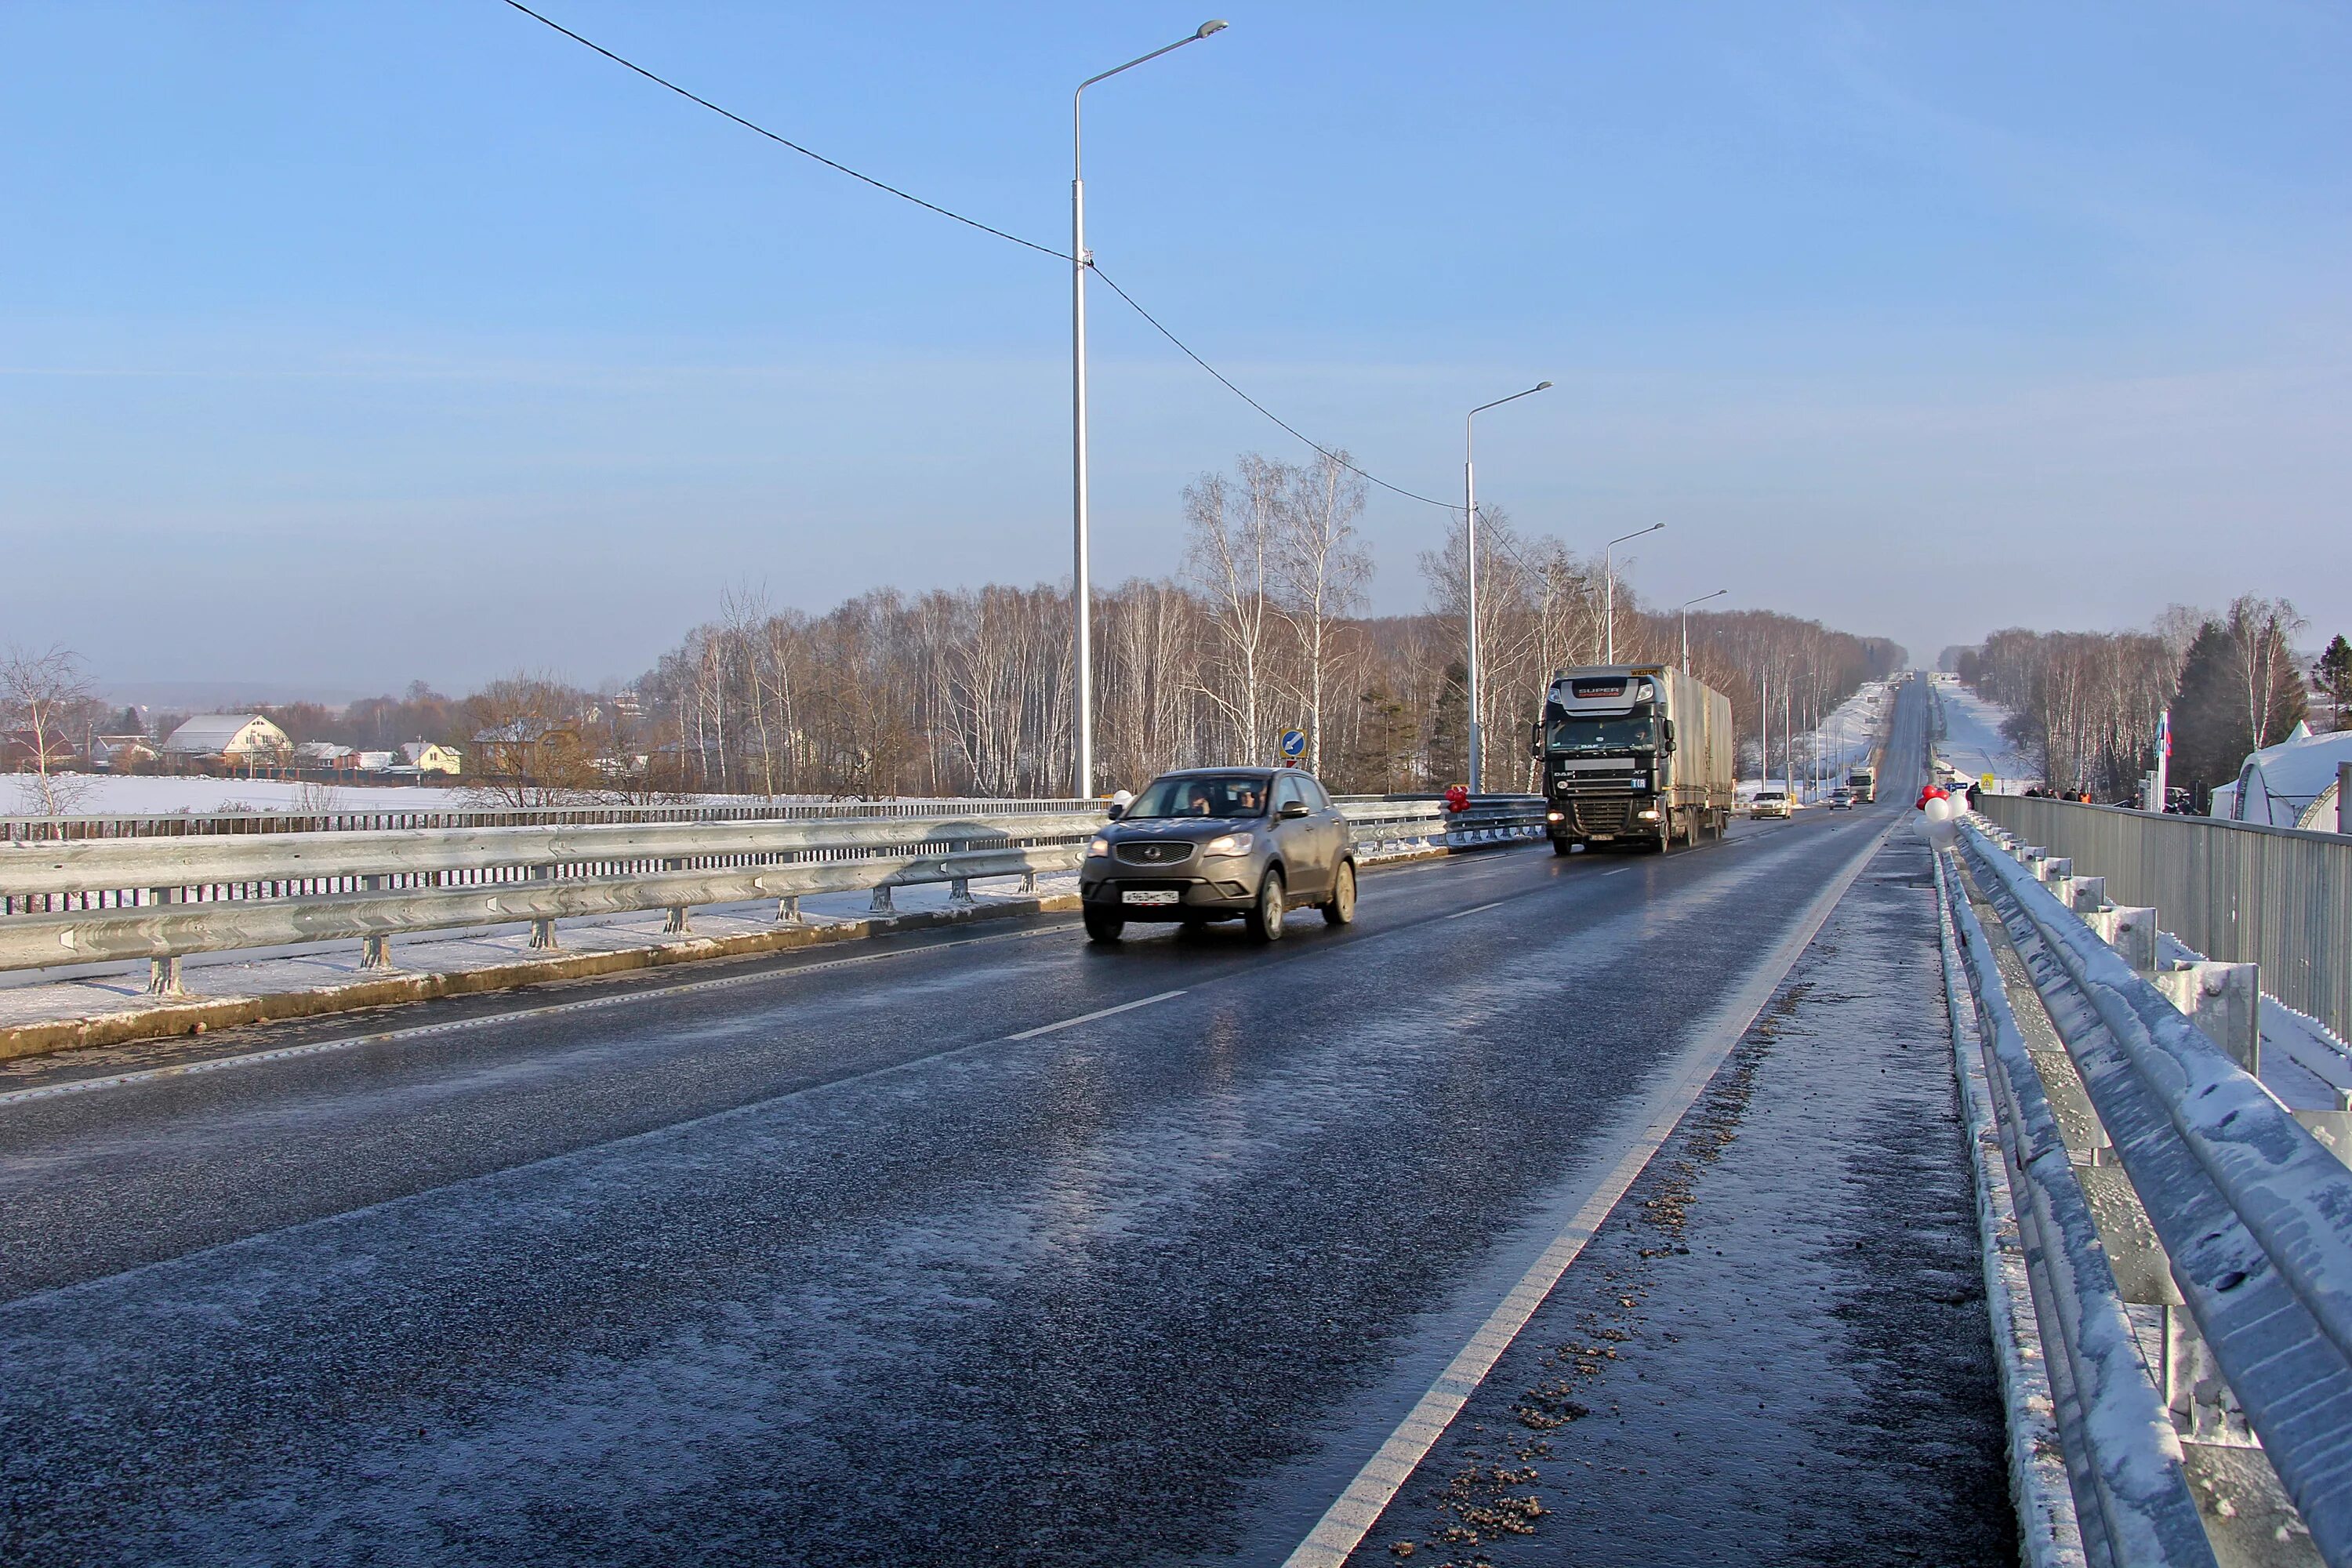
x,y
1097,846
1227,844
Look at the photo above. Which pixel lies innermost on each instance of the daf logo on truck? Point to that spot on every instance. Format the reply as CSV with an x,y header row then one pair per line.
x,y
1633,755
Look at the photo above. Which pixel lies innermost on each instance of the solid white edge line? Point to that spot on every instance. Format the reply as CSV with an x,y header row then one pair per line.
x,y
452,1025
1345,1522
1090,1018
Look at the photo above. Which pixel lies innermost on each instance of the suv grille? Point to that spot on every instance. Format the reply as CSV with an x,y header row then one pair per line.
x,y
1155,852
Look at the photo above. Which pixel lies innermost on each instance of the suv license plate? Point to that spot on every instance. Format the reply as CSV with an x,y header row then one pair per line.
x,y
1149,896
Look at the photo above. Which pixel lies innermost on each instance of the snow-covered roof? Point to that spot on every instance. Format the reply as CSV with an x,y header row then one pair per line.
x,y
209,735
2280,785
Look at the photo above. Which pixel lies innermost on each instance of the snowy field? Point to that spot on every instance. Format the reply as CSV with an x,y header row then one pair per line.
x,y
1843,742
1973,743
101,794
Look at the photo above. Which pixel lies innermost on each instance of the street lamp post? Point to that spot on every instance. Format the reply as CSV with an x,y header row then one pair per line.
x,y
1702,599
1608,586
1470,553
1081,589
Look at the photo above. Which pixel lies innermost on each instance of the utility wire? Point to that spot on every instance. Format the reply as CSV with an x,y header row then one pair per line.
x,y
888,189
786,140
1186,350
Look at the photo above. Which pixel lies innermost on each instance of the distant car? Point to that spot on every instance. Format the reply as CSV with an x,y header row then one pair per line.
x,y
1218,844
1841,800
1771,802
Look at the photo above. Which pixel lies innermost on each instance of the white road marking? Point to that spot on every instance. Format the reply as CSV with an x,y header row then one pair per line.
x,y
1344,1525
1619,872
388,1037
1479,909
1090,1018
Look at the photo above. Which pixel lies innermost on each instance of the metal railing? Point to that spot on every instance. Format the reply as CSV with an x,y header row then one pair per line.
x,y
101,900
395,817
2238,892
2124,1487
2253,1214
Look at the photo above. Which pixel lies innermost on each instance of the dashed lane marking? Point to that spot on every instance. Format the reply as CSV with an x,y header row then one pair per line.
x,y
1090,1018
1477,909
1344,1524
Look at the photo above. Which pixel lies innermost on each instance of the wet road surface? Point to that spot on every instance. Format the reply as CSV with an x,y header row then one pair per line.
x,y
1776,1350
909,1257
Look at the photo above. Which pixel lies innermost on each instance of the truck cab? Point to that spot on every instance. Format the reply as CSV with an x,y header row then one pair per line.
x,y
1620,766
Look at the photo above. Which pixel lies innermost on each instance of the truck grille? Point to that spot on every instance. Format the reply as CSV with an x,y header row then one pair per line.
x,y
1600,816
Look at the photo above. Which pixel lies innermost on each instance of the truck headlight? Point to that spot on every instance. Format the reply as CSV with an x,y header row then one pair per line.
x,y
1227,844
1554,817
1648,813
1097,847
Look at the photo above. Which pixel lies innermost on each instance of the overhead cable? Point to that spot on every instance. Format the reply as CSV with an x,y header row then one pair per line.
x,y
888,189
786,140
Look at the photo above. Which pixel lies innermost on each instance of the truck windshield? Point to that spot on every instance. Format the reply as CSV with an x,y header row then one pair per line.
x,y
1574,734
1236,795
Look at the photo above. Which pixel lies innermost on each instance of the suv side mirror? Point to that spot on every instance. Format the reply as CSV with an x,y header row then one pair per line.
x,y
1293,808
1116,811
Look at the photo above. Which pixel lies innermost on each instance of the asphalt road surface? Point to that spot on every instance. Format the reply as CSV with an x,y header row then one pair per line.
x,y
989,1248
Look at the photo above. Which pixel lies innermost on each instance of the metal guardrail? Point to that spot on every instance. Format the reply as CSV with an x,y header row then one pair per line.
x,y
109,900
2123,1459
395,817
2238,892
2253,1214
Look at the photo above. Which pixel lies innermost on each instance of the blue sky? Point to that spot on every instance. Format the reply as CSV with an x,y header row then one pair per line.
x,y
342,344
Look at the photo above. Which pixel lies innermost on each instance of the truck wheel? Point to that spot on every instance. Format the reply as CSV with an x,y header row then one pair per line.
x,y
1562,845
1264,920
1341,910
1103,926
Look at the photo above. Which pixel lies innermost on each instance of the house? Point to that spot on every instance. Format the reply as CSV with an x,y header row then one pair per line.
x,y
376,761
523,747
122,753
2291,785
326,754
428,757
245,741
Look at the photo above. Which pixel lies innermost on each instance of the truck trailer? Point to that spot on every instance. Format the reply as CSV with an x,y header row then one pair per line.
x,y
1638,755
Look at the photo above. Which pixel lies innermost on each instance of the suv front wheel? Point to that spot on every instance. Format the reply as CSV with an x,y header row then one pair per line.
x,y
1341,910
1265,919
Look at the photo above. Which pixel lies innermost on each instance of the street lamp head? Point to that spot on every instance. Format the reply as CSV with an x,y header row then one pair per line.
x,y
1209,27
1543,387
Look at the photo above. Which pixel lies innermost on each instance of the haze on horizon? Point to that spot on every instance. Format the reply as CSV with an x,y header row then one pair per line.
x,y
340,347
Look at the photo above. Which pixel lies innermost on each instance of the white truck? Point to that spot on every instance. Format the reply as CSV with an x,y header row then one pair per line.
x,y
1638,755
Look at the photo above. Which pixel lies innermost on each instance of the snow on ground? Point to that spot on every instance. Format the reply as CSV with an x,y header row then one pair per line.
x,y
2303,1062
1843,742
104,795
1973,743
101,989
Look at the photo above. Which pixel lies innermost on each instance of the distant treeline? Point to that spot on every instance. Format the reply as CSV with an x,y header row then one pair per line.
x,y
2085,705
968,691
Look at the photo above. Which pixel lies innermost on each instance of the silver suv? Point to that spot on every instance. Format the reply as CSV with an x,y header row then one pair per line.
x,y
1217,844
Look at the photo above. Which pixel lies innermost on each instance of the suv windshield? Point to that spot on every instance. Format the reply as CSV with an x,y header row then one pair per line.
x,y
1567,734
1226,794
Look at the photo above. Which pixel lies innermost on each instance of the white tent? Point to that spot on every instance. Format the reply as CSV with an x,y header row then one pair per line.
x,y
2291,785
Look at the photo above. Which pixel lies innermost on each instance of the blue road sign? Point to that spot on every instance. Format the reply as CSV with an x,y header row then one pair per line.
x,y
1293,743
